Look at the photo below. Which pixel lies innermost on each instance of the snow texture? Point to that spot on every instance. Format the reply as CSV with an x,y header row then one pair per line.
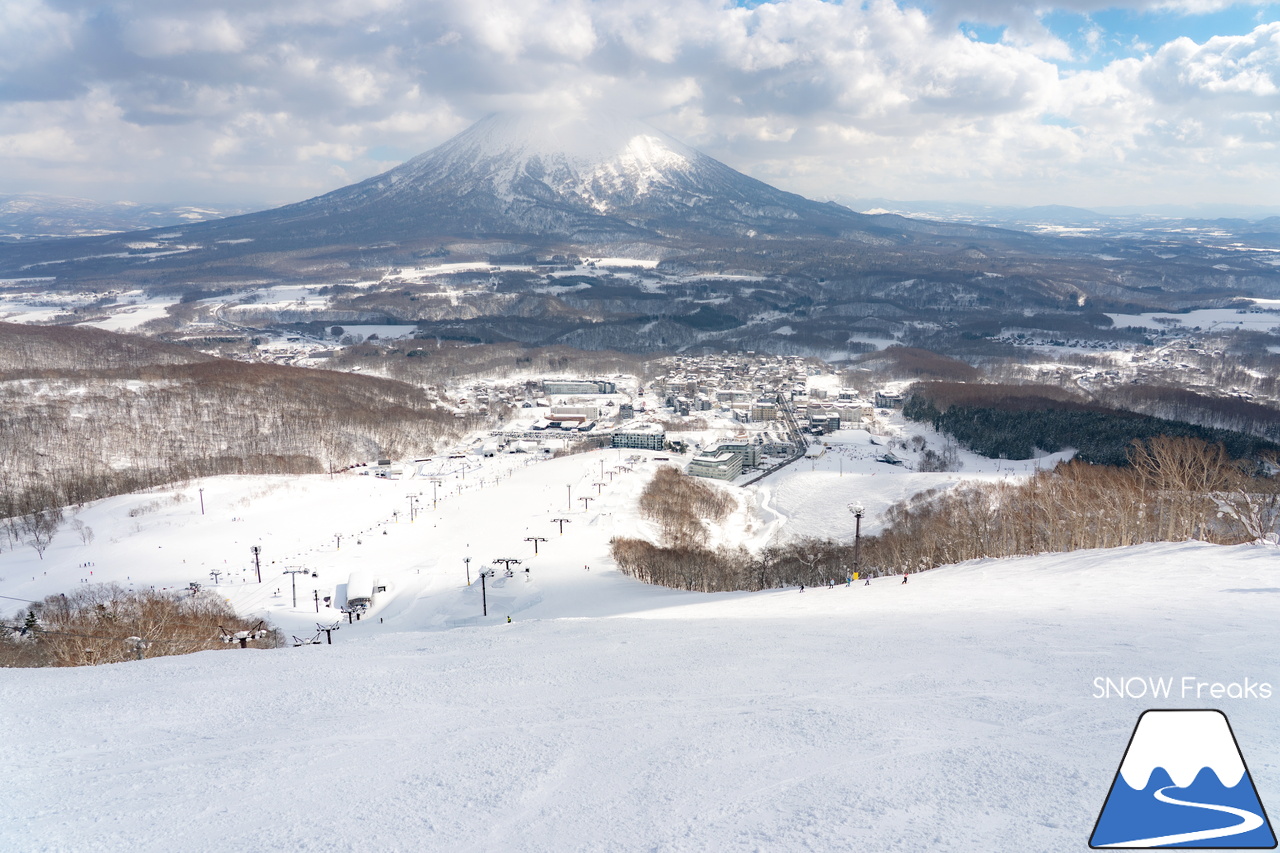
x,y
952,713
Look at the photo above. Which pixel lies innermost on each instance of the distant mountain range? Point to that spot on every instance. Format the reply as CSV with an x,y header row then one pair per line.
x,y
33,216
1262,218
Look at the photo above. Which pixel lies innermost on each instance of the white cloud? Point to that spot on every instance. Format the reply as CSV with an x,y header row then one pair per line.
x,y
277,99
208,32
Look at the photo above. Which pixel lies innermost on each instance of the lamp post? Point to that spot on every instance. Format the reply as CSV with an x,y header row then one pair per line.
x,y
562,522
257,560
857,510
535,540
586,503
201,501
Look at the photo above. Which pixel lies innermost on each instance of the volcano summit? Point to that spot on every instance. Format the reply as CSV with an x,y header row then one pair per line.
x,y
533,181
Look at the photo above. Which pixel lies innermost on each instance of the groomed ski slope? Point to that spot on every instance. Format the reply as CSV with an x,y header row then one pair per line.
x,y
954,712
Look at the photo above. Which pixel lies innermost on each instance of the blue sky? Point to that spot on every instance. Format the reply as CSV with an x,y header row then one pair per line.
x,y
263,102
1101,36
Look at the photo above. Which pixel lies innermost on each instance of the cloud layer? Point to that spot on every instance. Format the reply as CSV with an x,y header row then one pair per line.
x,y
275,100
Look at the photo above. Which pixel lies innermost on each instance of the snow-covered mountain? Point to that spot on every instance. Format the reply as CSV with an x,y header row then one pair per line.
x,y
514,182
582,178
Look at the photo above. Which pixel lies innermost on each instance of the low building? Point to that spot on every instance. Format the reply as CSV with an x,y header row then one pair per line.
x,y
776,446
560,413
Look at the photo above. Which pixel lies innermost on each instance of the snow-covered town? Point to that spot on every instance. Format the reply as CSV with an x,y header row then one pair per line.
x,y
493,679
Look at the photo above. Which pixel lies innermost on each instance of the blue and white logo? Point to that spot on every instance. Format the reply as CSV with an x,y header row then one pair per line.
x,y
1183,783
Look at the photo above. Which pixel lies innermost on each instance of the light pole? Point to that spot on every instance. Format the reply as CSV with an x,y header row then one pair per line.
x,y
257,561
484,597
857,510
562,522
570,488
535,540
586,503
467,562
598,486
413,506
435,491
201,501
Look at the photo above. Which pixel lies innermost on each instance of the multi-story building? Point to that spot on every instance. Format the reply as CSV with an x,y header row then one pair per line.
x,y
764,409
641,438
578,386
716,465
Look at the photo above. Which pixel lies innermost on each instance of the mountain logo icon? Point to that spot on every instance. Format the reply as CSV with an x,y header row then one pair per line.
x,y
1183,783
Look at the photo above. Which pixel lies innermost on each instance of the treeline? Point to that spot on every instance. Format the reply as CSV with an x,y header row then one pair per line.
x,y
35,351
694,566
1184,404
1013,422
899,362
70,436
681,506
1173,489
431,360
108,624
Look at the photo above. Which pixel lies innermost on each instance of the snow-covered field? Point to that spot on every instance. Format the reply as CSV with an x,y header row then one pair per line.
x,y
955,712
1210,319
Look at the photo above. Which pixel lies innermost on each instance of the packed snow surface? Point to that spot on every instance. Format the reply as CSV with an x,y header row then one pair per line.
x,y
955,712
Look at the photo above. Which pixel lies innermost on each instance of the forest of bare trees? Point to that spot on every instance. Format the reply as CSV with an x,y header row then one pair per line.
x,y
105,623
1174,489
434,361
146,418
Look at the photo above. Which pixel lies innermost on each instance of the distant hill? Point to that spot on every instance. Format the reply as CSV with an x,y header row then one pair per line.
x,y
33,216
85,414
